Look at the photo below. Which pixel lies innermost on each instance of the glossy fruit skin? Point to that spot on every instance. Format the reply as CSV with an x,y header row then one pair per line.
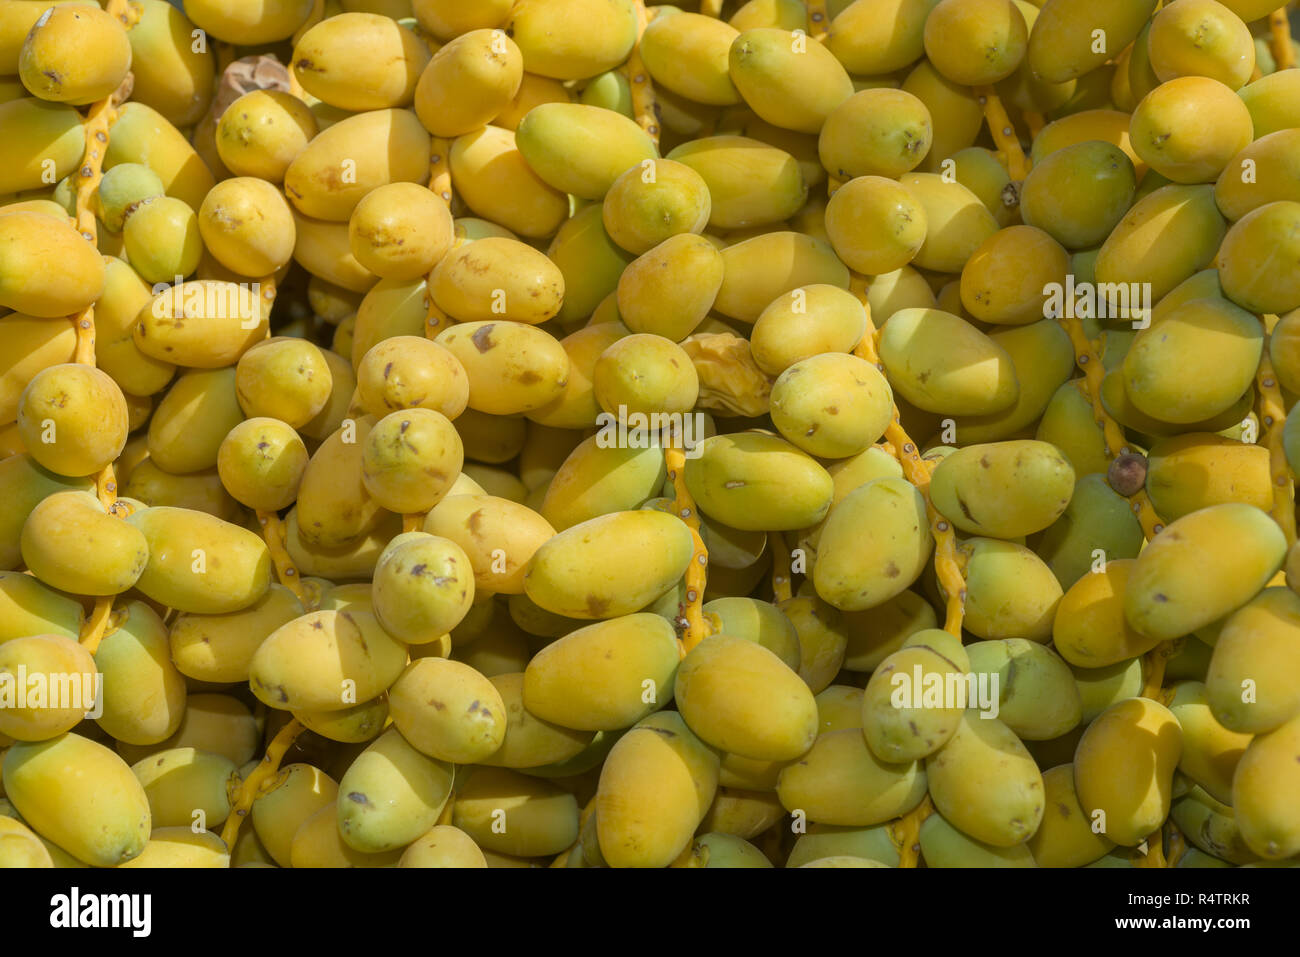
x,y
728,714
262,132
73,419
943,845
469,725
70,275
957,222
806,322
170,75
1271,102
898,734
246,224
985,782
468,82
309,662
1232,472
393,140
423,587
494,355
1178,149
1134,251
121,188
1053,197
783,486
1004,280
1202,38
442,846
655,787
410,460
245,22
1253,651
920,349
1011,593
839,781
162,239
857,140
261,462
669,290
1263,237
975,42
542,28
1061,44
581,149
875,225
730,165
1265,817
198,563
791,84
604,676
562,578
1065,838
1034,477
359,61
219,648
81,795
1039,700
890,513
1139,733
70,542
74,55
1189,596
24,484
1090,629
59,675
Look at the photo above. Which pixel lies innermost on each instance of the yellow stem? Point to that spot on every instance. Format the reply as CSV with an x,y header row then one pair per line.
x,y
1088,359
638,78
1280,38
1177,845
435,320
99,118
947,561
440,168
273,533
270,289
1153,670
561,859
316,16
781,589
691,626
906,833
1272,418
413,522
1035,121
1004,133
261,780
818,21
1155,855
448,810
96,626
